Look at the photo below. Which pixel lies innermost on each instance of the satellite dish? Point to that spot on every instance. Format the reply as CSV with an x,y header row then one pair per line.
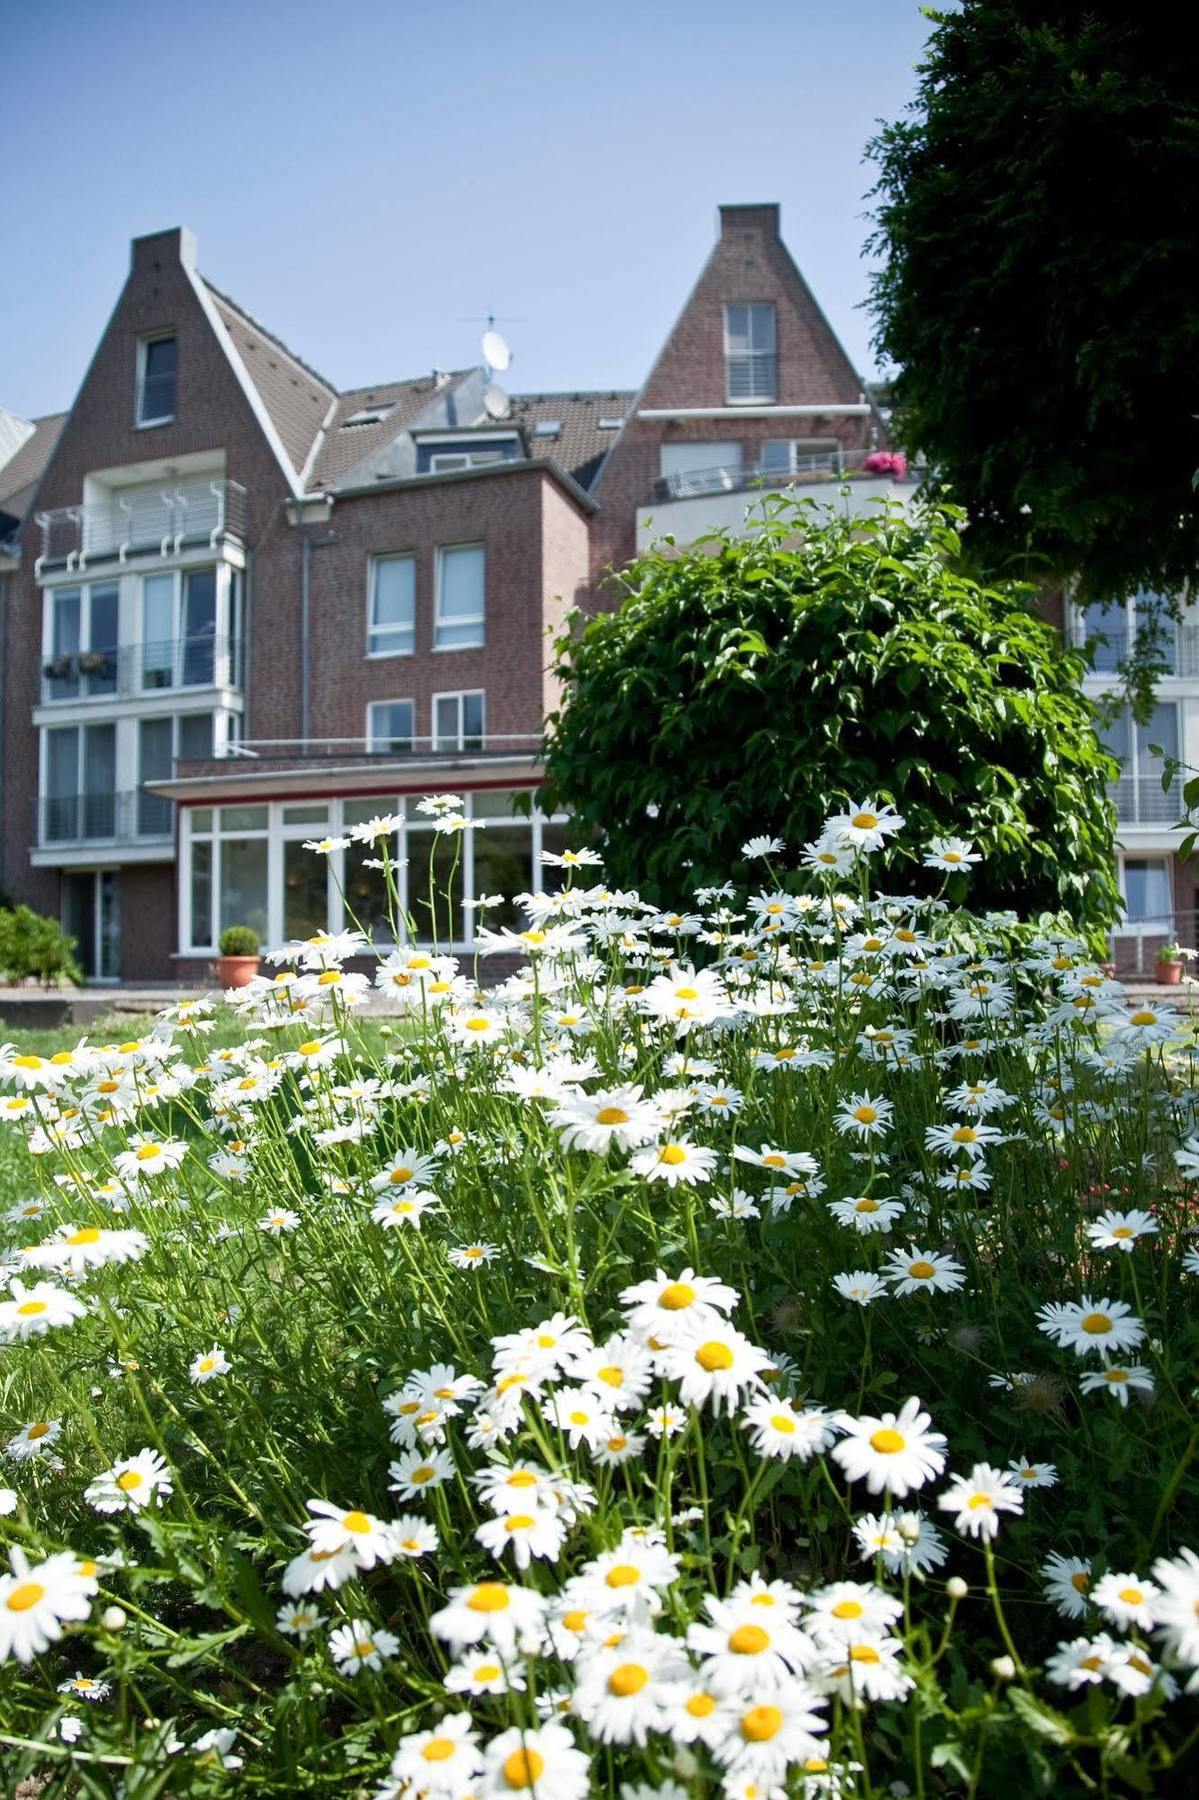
x,y
496,353
495,402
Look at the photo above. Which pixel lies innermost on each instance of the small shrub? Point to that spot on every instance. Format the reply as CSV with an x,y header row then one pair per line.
x,y
238,940
32,945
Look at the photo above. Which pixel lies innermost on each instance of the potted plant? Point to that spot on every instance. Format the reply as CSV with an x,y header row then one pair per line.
x,y
237,963
1169,965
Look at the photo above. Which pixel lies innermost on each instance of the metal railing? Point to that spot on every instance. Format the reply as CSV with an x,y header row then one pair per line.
x,y
818,465
161,521
1176,647
102,818
198,661
1134,945
1140,801
425,749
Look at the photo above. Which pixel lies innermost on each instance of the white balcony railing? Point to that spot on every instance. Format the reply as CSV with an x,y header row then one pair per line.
x,y
1140,801
161,521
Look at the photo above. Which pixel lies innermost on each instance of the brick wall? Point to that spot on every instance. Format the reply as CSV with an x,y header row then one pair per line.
x,y
749,262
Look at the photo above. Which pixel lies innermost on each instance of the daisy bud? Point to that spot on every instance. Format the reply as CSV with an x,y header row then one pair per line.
x,y
1003,1668
114,1618
956,1588
908,1527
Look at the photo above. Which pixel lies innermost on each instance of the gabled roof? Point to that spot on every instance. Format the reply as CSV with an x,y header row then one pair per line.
x,y
21,474
346,445
581,442
295,396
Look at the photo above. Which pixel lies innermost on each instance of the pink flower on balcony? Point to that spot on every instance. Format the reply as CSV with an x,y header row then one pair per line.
x,y
885,462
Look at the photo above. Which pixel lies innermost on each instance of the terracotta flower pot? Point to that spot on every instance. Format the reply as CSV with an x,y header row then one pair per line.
x,y
1169,974
236,971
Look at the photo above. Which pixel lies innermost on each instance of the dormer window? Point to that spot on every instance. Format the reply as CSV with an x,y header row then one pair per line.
x,y
750,353
156,362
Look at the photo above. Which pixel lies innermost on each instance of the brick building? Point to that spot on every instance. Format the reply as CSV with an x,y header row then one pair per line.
x,y
242,609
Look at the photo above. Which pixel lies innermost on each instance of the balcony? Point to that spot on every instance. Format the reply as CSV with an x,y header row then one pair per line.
x,y
74,821
819,466
1140,801
689,504
191,662
143,521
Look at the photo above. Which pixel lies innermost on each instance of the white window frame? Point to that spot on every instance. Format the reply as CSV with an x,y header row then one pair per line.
x,y
373,741
372,630
458,694
479,618
224,650
143,345
754,357
414,834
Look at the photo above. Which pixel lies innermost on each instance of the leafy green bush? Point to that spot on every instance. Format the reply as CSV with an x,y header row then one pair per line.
x,y
238,940
32,945
751,686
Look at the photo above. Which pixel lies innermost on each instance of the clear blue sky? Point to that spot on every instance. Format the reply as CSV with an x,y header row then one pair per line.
x,y
365,176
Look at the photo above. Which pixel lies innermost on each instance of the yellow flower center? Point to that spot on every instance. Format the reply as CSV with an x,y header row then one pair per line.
x,y
489,1597
575,1620
27,1062
1131,1596
623,1575
749,1640
423,1474
761,1723
357,1522
310,1048
610,1375
677,1296
921,1271
28,1309
713,1356
847,1609
488,1672
864,821
700,1706
783,1422
439,1749
1144,1017
864,1653
865,1115
611,1115
519,1522
774,1161
980,1503
523,1768
130,1480
673,1154
27,1595
1096,1324
87,1234
477,1024
627,1680
36,1431
1081,1582
887,1442
866,1205
147,1152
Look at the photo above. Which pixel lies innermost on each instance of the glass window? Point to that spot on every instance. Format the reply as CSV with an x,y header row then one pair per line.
x,y
458,721
504,866
99,781
447,875
201,892
749,351
155,763
305,890
492,803
158,631
98,661
460,597
62,666
201,818
156,381
195,737
305,815
389,726
244,883
367,903
243,818
391,623
1146,890
357,812
199,627
60,804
